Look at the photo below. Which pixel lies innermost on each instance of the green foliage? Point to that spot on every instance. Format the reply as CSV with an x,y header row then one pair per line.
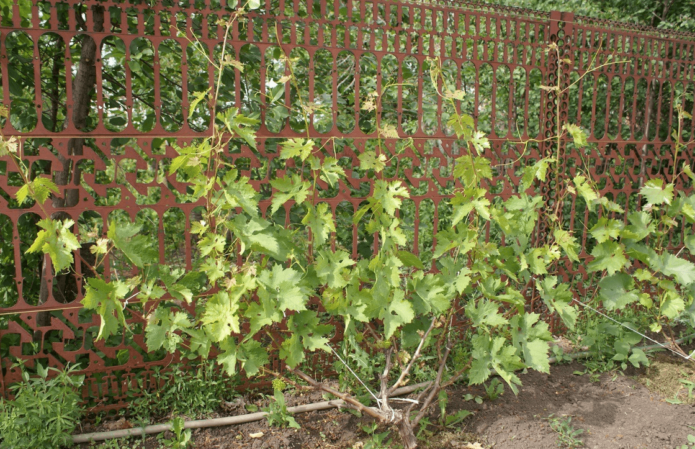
x,y
376,440
193,391
276,412
181,438
494,390
56,240
262,287
567,436
44,413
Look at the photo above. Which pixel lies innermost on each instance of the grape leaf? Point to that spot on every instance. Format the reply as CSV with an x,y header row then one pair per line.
x,y
578,135
320,221
535,171
331,172
682,270
617,291
410,260
608,256
228,358
56,240
297,147
369,160
220,319
284,287
655,192
606,228
389,195
139,249
105,299
463,125
640,226
486,313
399,312
672,305
531,339
586,190
330,267
567,243
253,356
472,170
287,189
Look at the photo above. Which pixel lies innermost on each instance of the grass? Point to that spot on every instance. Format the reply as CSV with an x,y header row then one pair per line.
x,y
671,379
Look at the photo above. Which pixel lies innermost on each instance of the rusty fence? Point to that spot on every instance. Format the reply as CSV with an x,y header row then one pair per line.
x,y
99,91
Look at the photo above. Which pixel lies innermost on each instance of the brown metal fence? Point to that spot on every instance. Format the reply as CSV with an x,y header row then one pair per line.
x,y
97,91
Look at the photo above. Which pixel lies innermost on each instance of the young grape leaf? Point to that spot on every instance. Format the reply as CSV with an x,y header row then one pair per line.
x,y
605,229
139,249
410,260
105,299
608,256
399,312
219,318
587,192
369,160
531,338
655,192
321,222
567,243
297,147
578,135
288,187
389,195
56,240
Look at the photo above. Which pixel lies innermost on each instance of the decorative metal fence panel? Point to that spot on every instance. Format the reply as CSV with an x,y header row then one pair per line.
x,y
99,92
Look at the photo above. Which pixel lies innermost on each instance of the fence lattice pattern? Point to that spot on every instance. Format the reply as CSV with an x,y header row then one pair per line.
x,y
99,90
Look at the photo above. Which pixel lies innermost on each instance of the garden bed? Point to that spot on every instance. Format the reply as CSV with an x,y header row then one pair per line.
x,y
631,409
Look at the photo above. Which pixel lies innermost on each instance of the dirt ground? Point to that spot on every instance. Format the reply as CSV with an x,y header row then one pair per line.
x,y
614,410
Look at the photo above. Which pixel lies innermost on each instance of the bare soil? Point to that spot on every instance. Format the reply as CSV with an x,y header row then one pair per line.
x,y
616,411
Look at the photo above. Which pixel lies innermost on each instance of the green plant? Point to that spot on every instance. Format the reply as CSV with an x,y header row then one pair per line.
x,y
690,385
181,438
276,412
376,440
193,391
690,444
691,441
45,411
253,272
494,390
567,435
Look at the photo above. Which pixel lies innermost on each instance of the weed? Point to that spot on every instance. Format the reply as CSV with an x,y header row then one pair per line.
x,y
44,413
494,390
690,385
691,441
567,435
277,414
194,392
182,437
377,440
469,397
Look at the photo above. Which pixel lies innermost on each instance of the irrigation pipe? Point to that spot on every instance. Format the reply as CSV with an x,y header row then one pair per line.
x,y
241,419
216,422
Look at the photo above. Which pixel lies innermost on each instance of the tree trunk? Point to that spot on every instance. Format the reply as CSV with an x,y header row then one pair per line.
x,y
65,285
